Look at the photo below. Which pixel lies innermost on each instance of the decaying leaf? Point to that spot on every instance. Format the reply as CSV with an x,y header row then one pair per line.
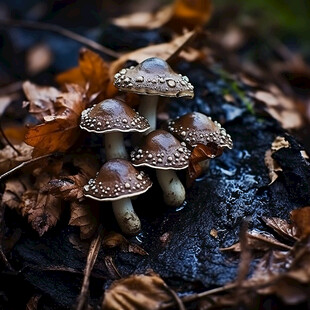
x,y
144,292
59,131
271,164
9,158
281,226
41,208
260,241
41,99
114,239
182,14
91,74
301,220
85,217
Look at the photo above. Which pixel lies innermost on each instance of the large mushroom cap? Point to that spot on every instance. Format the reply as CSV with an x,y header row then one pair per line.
x,y
112,115
197,128
160,149
153,76
117,179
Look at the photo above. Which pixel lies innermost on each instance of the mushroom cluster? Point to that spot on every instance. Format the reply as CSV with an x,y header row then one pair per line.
x,y
167,151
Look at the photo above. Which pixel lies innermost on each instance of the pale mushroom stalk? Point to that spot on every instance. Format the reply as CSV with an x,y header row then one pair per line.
x,y
173,189
114,145
126,217
148,109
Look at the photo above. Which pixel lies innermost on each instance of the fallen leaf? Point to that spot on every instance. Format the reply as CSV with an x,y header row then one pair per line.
x,y
41,208
260,241
91,74
114,239
182,14
301,220
59,131
85,217
41,99
281,226
144,292
271,164
9,158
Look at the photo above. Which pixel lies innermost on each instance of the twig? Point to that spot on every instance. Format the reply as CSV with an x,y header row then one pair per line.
x,y
28,162
176,298
57,29
91,259
8,141
201,295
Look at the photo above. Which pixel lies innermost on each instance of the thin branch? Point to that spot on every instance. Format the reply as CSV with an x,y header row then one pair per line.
x,y
91,259
59,30
26,163
8,141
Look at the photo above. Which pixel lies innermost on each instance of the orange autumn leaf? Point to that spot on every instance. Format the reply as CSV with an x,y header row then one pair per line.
x,y
178,15
91,74
301,220
61,130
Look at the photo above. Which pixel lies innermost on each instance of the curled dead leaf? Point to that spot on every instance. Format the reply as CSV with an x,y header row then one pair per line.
x,y
301,220
144,292
281,226
85,217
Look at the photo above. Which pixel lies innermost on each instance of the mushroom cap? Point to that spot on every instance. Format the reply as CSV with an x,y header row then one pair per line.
x,y
155,77
117,179
197,128
161,150
112,115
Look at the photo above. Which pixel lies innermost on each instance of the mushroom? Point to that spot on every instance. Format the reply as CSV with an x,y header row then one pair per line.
x,y
161,150
197,129
113,117
118,181
152,78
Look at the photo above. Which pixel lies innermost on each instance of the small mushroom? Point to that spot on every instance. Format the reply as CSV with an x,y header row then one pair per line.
x,y
197,129
118,181
152,78
162,151
112,117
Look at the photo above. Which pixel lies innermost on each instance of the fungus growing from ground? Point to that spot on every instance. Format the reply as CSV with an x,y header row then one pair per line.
x,y
152,78
117,181
112,117
198,130
162,151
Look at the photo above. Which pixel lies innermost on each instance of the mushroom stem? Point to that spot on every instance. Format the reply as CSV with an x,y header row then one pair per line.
x,y
126,217
114,145
148,109
173,189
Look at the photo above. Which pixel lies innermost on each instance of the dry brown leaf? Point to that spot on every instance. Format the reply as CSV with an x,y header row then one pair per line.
x,y
139,292
92,74
164,51
9,158
271,164
41,99
85,217
282,227
59,131
260,241
42,209
114,239
14,189
182,14
301,220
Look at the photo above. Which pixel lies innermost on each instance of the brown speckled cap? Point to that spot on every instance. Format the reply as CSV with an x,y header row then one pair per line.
x,y
117,179
161,150
112,115
153,76
195,128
